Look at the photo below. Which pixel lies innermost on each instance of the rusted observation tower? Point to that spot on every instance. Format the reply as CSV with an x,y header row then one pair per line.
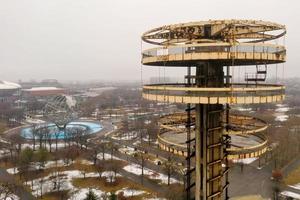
x,y
209,50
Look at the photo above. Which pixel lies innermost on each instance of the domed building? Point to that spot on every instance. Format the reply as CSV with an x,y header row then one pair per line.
x,y
9,91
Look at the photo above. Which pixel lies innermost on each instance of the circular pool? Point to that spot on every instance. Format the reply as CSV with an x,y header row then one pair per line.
x,y
55,133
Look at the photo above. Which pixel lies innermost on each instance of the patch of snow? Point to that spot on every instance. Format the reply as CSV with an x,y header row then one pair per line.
x,y
65,178
244,160
126,136
4,141
290,194
136,169
12,171
34,121
127,192
86,162
281,118
4,152
297,186
9,197
47,146
282,109
243,109
127,150
110,176
81,193
106,156
280,112
137,143
58,163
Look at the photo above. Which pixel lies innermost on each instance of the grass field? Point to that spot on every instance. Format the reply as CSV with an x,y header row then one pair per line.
x,y
293,178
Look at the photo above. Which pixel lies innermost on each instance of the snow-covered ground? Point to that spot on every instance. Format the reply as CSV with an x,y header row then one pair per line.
x,y
47,146
9,197
280,112
86,162
127,192
245,160
4,152
107,156
136,169
297,186
65,178
51,163
81,193
4,141
243,109
290,194
127,150
12,171
126,136
137,143
281,118
34,121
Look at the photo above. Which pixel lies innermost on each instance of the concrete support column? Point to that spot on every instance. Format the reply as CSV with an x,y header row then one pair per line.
x,y
209,130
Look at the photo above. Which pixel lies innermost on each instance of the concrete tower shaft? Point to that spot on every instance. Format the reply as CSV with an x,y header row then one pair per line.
x,y
209,135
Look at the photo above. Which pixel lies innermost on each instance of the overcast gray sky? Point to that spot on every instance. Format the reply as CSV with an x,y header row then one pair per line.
x,y
98,39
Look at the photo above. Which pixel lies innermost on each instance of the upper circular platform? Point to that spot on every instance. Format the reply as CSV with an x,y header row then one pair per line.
x,y
188,54
243,41
237,94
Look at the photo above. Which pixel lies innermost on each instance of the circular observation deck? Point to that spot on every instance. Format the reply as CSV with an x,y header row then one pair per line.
x,y
235,94
247,139
229,42
225,53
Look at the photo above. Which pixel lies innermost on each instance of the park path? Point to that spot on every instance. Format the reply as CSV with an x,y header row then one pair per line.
x,y
251,181
20,190
159,189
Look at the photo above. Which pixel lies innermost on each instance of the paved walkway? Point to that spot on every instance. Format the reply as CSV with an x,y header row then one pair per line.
x,y
251,181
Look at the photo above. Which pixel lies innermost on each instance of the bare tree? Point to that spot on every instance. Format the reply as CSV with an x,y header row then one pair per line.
x,y
170,167
7,190
141,157
103,146
42,131
25,159
56,135
100,168
34,130
112,147
42,156
152,130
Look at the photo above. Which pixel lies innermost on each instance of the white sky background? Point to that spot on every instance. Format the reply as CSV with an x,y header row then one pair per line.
x,y
98,39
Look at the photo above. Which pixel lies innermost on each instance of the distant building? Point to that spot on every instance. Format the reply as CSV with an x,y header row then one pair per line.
x,y
43,83
43,91
9,92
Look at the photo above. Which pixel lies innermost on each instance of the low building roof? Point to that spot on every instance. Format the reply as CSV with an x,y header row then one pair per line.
x,y
6,85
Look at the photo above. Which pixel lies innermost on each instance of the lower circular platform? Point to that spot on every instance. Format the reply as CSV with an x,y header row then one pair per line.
x,y
247,140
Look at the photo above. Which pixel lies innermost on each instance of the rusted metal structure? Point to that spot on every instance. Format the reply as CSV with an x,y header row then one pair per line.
x,y
210,50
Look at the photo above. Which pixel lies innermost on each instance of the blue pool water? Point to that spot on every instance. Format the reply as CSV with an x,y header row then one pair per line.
x,y
91,127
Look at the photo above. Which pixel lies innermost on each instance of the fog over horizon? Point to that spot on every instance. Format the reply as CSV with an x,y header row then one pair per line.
x,y
100,40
